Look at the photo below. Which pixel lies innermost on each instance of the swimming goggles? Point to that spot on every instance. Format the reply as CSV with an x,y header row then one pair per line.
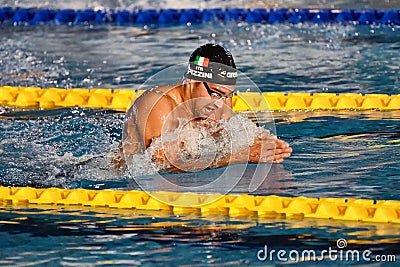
x,y
215,94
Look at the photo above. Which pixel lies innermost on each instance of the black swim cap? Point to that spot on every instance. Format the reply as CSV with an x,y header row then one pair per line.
x,y
212,63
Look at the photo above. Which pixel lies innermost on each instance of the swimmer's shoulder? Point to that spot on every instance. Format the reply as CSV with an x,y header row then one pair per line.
x,y
166,90
157,97
162,94
160,90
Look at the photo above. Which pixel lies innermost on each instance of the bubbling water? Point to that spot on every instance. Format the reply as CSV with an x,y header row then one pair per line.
x,y
198,142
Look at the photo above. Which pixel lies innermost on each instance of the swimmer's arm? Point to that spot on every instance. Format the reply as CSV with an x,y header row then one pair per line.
x,y
132,141
261,151
265,149
153,116
173,163
145,120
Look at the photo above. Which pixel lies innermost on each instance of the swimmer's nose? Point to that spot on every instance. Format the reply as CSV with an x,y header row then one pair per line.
x,y
219,103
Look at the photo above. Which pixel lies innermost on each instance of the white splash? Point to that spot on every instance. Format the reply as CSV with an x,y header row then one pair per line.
x,y
200,142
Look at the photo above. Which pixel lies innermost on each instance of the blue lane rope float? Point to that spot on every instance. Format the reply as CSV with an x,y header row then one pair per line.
x,y
183,16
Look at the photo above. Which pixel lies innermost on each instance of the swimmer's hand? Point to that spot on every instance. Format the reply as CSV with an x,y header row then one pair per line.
x,y
282,150
265,149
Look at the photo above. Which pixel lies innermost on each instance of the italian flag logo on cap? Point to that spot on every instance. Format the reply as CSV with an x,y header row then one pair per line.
x,y
201,61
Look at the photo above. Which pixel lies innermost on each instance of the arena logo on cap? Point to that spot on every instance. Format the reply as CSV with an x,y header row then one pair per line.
x,y
229,74
201,61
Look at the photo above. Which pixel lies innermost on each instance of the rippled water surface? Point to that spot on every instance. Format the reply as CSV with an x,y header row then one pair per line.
x,y
67,236
336,154
313,58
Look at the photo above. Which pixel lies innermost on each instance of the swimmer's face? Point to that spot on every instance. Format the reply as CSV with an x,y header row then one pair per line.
x,y
216,98
216,91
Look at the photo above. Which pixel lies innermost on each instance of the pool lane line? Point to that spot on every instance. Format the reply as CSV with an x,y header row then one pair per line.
x,y
171,17
244,205
121,99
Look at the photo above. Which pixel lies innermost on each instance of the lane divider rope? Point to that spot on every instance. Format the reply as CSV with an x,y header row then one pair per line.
x,y
119,99
348,209
184,16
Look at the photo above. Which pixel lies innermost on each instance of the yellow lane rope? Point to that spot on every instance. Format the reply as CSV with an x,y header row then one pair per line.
x,y
119,99
347,209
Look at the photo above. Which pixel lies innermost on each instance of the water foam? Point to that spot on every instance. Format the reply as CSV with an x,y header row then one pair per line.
x,y
199,142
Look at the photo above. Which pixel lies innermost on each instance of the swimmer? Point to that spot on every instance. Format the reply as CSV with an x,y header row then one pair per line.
x,y
204,97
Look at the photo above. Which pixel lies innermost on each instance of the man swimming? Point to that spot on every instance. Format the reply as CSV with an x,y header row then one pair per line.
x,y
201,101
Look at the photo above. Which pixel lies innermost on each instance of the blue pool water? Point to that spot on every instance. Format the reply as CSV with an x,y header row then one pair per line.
x,y
336,154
